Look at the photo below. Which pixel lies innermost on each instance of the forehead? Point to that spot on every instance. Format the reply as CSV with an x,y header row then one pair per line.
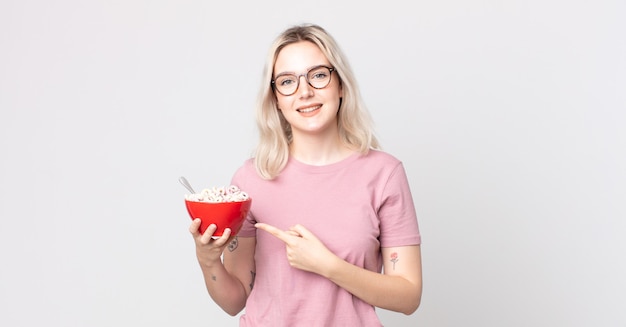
x,y
298,57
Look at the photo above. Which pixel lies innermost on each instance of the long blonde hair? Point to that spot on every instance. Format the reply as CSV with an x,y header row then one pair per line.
x,y
354,122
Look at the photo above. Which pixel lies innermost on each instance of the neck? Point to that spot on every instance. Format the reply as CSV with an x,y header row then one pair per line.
x,y
317,150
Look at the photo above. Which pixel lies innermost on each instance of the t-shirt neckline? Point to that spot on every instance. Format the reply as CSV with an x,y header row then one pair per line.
x,y
295,163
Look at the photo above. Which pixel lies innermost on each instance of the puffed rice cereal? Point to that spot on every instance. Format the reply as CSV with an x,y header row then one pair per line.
x,y
231,193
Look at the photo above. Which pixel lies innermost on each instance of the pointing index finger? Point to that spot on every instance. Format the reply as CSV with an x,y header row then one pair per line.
x,y
272,230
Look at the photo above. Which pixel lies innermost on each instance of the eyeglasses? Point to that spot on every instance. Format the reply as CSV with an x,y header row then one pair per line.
x,y
318,77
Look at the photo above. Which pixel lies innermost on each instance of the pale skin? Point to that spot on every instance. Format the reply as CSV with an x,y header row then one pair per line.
x,y
229,282
312,114
398,289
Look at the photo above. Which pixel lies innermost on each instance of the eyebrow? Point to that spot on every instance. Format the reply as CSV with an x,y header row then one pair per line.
x,y
307,69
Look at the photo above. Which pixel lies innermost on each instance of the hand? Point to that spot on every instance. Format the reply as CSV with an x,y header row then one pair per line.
x,y
209,250
304,250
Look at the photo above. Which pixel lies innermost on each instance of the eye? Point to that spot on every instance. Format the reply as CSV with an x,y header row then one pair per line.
x,y
285,80
319,73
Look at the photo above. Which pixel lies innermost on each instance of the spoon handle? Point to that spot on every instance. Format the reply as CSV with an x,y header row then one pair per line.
x,y
186,184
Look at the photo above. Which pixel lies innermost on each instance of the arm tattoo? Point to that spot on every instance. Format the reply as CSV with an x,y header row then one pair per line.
x,y
233,244
394,259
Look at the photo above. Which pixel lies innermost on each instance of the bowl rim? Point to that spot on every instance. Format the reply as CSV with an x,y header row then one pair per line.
x,y
222,202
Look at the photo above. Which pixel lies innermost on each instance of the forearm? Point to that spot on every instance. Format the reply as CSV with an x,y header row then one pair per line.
x,y
389,292
225,289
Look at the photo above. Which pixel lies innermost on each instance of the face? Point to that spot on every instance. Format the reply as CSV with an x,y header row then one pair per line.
x,y
309,110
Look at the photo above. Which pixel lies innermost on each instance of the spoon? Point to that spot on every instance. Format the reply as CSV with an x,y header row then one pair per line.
x,y
186,184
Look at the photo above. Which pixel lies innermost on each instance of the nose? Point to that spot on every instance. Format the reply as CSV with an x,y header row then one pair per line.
x,y
303,86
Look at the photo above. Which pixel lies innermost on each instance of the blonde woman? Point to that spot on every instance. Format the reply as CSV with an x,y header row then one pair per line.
x,y
332,232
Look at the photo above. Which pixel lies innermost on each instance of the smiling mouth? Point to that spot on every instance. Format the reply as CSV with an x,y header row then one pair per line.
x,y
309,109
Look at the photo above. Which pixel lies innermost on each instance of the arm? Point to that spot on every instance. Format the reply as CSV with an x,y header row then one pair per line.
x,y
229,282
398,289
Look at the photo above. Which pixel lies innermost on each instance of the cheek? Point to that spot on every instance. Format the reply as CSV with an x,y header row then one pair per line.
x,y
282,103
276,102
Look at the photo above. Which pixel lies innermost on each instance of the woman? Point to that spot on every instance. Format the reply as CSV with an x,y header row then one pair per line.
x,y
332,232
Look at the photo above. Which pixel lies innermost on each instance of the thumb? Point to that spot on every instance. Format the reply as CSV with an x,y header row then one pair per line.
x,y
302,231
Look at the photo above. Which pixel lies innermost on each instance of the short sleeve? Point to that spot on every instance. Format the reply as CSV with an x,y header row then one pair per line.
x,y
398,219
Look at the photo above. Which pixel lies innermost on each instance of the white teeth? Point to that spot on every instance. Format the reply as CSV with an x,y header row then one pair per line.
x,y
308,109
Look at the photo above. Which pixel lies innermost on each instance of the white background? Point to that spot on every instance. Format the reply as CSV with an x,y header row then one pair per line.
x,y
508,115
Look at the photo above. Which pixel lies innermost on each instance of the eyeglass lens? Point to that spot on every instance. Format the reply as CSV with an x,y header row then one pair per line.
x,y
317,77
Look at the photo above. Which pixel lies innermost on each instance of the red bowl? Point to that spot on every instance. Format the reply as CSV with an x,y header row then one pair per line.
x,y
222,214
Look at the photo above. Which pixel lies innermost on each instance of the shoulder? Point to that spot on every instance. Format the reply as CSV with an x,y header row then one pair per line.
x,y
377,164
247,164
383,156
380,159
245,171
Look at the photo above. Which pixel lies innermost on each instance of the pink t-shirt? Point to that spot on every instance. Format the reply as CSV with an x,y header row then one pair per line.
x,y
355,207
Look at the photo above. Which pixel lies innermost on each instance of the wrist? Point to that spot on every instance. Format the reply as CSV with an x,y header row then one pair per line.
x,y
333,266
206,262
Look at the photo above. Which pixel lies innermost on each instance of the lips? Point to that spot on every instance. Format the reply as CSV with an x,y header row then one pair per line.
x,y
309,109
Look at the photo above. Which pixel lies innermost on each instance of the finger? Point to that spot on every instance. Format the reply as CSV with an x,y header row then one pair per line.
x,y
206,237
281,235
224,238
194,228
302,231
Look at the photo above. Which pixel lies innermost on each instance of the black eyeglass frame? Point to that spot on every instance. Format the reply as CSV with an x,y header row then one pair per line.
x,y
306,77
